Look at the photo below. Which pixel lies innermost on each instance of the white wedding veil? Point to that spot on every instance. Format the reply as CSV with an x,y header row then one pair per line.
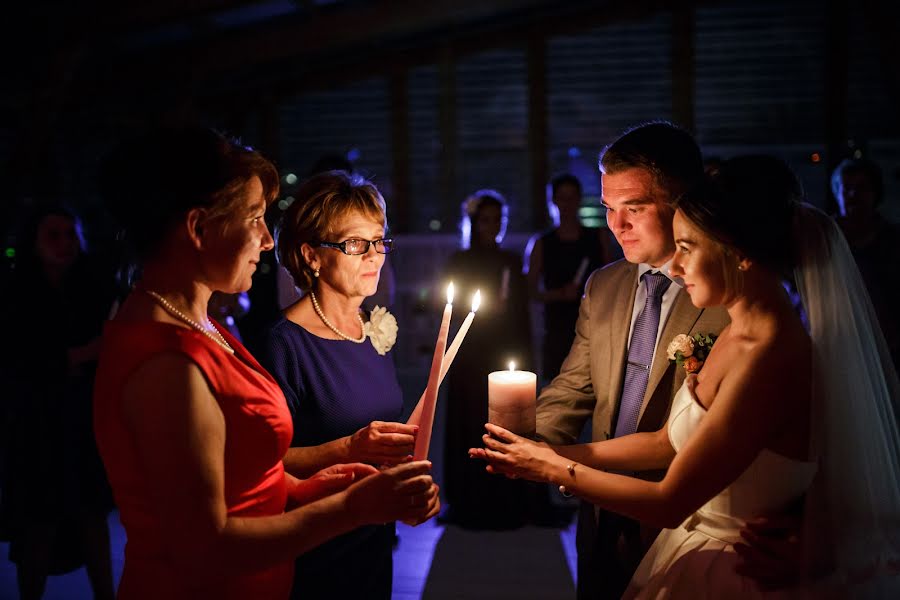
x,y
855,415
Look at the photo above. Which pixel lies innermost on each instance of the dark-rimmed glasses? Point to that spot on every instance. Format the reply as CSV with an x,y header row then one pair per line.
x,y
356,246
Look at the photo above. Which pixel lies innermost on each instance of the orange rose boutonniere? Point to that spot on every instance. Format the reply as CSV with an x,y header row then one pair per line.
x,y
690,351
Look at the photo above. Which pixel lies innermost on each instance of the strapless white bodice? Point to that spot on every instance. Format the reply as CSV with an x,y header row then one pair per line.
x,y
697,559
767,487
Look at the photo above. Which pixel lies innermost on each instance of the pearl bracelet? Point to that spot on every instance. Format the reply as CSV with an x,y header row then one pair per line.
x,y
571,469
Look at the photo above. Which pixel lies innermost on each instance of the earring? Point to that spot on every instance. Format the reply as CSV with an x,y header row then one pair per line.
x,y
740,268
316,273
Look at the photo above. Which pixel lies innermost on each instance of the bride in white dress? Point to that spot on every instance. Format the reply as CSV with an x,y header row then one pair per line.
x,y
779,414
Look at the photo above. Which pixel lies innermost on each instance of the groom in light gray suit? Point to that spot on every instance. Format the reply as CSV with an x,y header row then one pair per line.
x,y
642,173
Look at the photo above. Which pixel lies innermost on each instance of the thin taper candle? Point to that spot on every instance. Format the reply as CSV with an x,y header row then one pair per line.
x,y
416,416
426,422
460,335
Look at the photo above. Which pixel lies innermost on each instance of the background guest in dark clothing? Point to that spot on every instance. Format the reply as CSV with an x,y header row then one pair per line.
x,y
500,333
875,243
558,263
55,495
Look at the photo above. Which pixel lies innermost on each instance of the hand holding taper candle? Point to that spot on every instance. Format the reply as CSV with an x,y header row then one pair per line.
x,y
426,422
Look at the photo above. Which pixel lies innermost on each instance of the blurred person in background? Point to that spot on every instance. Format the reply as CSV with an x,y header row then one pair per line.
x,y
858,187
501,333
55,497
558,263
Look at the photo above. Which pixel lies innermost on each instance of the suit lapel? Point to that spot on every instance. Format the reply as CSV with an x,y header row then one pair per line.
x,y
620,320
681,319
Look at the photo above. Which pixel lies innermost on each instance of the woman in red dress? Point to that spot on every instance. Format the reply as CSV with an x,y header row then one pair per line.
x,y
191,429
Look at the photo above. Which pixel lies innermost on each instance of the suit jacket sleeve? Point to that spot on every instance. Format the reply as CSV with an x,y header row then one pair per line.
x,y
568,401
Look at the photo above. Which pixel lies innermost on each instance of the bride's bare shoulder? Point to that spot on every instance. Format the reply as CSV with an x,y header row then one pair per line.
x,y
774,350
774,366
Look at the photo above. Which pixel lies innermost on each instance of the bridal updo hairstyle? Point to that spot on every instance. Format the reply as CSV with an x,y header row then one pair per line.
x,y
322,201
152,181
748,205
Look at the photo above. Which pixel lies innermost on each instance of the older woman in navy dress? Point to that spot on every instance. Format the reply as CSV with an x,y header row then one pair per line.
x,y
336,371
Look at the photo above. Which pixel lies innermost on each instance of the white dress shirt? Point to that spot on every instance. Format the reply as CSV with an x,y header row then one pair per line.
x,y
640,299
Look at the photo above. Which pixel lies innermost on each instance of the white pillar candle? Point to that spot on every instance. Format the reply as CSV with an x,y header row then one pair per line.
x,y
511,400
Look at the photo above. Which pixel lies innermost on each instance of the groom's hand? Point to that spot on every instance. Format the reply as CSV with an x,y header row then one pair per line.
x,y
772,553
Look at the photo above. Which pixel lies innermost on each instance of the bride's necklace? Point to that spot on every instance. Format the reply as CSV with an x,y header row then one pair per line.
x,y
169,308
330,326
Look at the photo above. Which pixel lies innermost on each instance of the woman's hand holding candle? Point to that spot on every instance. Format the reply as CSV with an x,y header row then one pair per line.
x,y
516,457
382,443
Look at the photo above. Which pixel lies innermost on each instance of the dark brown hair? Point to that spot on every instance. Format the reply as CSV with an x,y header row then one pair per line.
x,y
471,209
153,180
748,205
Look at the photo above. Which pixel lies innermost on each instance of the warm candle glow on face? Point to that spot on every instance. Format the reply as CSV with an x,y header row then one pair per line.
x,y
512,365
476,300
450,293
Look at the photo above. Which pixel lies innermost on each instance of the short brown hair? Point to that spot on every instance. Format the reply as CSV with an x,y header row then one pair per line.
x,y
321,202
666,151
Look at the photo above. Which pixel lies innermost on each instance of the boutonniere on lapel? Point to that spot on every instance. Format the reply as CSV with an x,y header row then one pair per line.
x,y
690,351
381,329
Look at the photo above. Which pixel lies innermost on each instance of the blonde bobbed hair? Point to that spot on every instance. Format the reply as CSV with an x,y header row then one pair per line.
x,y
322,201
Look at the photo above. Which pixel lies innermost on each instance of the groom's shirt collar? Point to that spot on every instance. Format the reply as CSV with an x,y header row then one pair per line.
x,y
664,269
668,299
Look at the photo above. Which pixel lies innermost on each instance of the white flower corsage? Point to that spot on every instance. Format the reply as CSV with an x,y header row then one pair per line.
x,y
381,329
690,351
680,343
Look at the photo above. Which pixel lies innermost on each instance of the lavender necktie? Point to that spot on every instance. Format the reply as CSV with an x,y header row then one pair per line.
x,y
640,353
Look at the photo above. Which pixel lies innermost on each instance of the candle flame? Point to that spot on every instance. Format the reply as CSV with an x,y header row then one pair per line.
x,y
476,300
450,293
512,365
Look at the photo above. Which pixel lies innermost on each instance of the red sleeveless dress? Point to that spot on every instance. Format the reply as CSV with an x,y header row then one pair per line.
x,y
258,433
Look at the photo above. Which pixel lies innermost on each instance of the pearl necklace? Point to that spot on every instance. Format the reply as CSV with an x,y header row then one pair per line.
x,y
169,308
330,326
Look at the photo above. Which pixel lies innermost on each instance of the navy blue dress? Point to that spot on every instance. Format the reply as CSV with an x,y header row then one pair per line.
x,y
333,388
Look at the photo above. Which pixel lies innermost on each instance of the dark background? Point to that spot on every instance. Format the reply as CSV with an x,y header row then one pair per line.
x,y
434,99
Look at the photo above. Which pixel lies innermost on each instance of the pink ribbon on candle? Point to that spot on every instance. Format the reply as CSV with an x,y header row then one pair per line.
x,y
426,422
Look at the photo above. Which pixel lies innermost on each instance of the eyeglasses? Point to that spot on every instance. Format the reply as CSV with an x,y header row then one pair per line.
x,y
355,246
